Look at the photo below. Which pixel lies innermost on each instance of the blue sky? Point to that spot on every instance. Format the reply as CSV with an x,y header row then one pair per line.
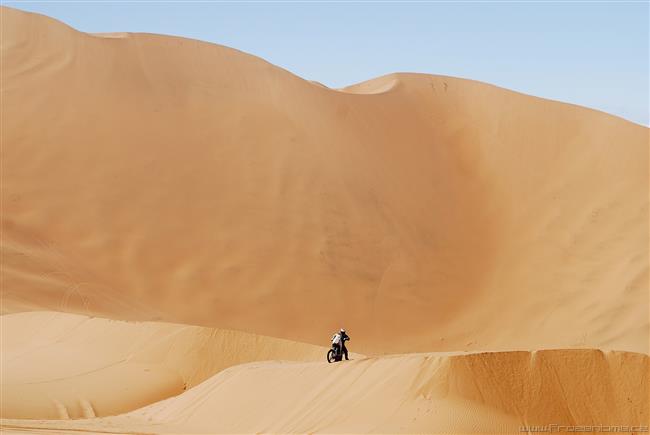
x,y
594,54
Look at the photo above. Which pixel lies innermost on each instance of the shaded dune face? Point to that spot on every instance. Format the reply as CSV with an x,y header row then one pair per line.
x,y
151,177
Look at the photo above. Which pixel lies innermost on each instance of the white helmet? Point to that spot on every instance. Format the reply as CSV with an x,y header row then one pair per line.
x,y
342,330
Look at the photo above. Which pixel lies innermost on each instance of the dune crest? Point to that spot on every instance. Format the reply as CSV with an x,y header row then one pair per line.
x,y
111,35
379,85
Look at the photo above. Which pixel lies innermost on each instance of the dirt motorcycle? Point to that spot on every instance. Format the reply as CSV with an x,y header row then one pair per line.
x,y
335,354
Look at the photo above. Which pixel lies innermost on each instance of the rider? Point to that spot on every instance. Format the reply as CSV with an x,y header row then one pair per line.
x,y
338,340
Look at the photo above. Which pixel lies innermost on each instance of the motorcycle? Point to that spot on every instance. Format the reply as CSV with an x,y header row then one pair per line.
x,y
335,354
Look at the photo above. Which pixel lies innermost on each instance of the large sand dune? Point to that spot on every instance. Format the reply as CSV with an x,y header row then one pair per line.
x,y
152,170
196,191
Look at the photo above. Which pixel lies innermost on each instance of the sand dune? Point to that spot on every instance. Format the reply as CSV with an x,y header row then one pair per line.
x,y
196,192
411,206
434,393
98,367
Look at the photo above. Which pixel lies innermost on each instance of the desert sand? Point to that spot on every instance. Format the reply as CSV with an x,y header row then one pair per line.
x,y
185,225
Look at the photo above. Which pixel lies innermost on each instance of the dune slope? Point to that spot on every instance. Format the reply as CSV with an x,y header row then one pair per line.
x,y
141,171
98,367
427,393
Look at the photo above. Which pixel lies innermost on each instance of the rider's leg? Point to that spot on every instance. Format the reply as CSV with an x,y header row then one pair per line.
x,y
345,351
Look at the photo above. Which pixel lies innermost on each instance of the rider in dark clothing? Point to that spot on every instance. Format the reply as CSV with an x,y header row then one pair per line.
x,y
344,337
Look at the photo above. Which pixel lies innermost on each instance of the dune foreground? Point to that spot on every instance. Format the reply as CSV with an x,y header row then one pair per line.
x,y
185,225
500,392
98,367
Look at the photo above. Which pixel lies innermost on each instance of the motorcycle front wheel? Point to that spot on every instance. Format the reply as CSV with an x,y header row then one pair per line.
x,y
330,356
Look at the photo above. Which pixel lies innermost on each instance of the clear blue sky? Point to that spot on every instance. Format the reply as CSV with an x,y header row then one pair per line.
x,y
595,54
